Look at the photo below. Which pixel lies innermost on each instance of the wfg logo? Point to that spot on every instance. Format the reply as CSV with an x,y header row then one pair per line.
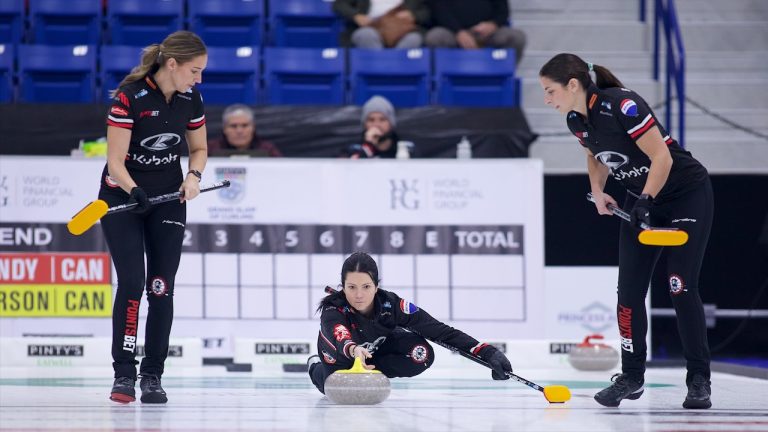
x,y
404,194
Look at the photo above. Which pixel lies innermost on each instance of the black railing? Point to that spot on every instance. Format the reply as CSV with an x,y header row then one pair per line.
x,y
665,14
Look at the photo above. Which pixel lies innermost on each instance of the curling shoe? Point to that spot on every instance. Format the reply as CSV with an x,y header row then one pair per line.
x,y
123,391
624,386
151,390
699,391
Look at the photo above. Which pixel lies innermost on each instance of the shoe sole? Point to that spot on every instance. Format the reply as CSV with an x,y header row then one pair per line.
x,y
697,404
154,399
121,398
612,404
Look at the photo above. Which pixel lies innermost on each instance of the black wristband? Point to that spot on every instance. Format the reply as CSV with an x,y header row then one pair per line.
x,y
196,173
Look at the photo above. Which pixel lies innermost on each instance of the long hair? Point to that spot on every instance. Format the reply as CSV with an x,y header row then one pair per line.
x,y
357,262
564,67
183,46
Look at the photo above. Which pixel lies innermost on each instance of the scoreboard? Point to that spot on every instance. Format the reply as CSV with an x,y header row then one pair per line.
x,y
461,239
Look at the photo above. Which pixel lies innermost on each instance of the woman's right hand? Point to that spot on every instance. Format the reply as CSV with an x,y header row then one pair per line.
x,y
363,354
602,200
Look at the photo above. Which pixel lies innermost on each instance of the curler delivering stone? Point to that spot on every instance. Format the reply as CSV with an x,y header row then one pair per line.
x,y
357,386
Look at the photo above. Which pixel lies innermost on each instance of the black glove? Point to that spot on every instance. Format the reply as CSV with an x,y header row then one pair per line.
x,y
139,197
641,212
498,362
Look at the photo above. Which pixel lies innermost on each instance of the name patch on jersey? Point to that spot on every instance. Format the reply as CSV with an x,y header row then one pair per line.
x,y
408,307
629,108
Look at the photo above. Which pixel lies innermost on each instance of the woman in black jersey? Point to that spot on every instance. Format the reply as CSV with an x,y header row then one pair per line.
x,y
667,187
385,331
155,111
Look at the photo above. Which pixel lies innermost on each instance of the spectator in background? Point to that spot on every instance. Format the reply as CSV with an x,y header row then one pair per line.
x,y
473,24
380,24
379,139
239,135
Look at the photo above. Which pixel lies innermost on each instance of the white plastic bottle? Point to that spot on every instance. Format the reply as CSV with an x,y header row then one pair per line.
x,y
464,149
403,150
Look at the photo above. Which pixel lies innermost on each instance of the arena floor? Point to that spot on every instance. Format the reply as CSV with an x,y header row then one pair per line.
x,y
211,399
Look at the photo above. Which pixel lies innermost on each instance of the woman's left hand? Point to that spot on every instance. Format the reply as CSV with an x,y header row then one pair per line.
x,y
190,188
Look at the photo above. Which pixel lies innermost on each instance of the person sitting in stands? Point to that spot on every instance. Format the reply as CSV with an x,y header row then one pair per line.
x,y
377,24
473,24
379,138
239,135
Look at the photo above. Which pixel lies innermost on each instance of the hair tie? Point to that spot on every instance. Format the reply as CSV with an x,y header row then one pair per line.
x,y
590,66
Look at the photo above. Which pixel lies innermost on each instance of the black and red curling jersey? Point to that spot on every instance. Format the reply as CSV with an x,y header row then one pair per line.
x,y
340,326
617,118
158,130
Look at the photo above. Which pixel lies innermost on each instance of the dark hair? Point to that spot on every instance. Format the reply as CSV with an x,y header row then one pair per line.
x,y
181,45
563,67
357,262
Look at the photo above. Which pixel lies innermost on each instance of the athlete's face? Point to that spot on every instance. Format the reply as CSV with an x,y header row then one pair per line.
x,y
239,129
360,290
558,96
184,76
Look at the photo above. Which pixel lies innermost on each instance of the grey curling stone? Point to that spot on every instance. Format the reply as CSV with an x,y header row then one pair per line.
x,y
357,386
587,356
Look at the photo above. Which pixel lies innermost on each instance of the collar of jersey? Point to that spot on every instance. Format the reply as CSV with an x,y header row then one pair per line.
x,y
592,91
152,84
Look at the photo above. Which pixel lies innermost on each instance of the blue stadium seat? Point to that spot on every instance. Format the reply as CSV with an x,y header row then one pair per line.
x,y
65,22
116,62
304,23
232,75
400,75
483,77
308,76
11,21
6,73
143,22
227,22
57,73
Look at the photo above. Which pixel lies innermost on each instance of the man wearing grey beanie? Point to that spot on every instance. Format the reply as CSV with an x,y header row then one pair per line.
x,y
379,137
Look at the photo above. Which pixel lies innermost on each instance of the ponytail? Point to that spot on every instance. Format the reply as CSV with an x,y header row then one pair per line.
x,y
150,62
183,46
605,78
564,67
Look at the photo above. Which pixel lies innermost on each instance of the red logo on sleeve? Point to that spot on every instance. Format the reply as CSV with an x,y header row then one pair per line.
x,y
118,111
340,333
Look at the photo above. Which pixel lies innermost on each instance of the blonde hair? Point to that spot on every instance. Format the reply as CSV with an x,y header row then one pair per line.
x,y
183,46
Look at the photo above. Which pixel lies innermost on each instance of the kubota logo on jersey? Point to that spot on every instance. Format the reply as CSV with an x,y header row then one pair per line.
x,y
118,111
611,159
160,142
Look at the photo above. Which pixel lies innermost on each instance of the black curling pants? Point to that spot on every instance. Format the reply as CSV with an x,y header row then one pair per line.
x,y
692,213
158,233
403,354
